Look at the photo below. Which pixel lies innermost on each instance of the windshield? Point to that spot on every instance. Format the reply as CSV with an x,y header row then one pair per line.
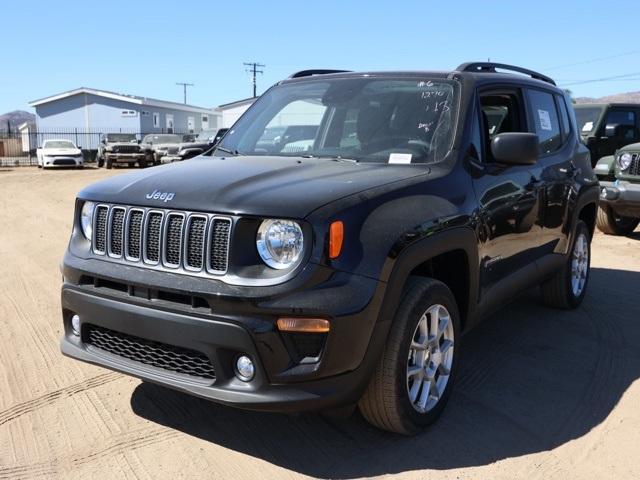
x,y
206,135
385,120
163,139
121,138
58,144
587,118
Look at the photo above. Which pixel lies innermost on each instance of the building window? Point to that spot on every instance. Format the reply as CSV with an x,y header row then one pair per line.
x,y
129,113
156,120
205,122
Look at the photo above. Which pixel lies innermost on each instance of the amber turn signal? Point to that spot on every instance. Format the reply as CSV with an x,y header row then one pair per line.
x,y
336,237
303,325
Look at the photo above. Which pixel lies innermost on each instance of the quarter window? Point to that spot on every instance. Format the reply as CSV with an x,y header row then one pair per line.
x,y
545,120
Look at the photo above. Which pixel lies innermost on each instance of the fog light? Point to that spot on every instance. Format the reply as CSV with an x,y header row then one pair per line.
x,y
75,325
244,368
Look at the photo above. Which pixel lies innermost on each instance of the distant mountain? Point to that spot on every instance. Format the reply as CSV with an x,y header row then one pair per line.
x,y
628,97
16,118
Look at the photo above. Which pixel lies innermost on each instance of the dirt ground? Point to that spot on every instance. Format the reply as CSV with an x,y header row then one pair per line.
x,y
542,393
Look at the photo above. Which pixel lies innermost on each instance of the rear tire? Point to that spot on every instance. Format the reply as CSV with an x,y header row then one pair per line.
x,y
142,163
566,289
414,377
613,224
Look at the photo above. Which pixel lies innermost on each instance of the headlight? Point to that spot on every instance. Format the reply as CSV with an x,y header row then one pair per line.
x,y
624,161
86,219
108,149
280,243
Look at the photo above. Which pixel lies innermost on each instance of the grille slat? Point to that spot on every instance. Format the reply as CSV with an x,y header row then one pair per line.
x,y
117,229
634,168
134,234
155,354
218,256
100,240
154,223
193,242
173,240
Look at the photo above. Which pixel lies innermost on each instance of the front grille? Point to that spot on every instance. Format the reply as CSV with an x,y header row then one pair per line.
x,y
126,149
148,352
64,162
193,242
634,167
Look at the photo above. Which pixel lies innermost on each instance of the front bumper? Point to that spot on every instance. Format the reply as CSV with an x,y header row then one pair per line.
x,y
622,196
170,158
62,162
124,157
231,325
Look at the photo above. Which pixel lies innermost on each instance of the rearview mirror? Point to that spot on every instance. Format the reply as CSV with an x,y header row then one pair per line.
x,y
517,148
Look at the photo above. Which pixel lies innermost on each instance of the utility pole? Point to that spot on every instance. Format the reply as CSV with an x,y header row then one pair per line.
x,y
184,86
254,70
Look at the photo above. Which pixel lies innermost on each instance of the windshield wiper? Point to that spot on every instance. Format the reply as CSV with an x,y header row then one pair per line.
x,y
226,150
335,158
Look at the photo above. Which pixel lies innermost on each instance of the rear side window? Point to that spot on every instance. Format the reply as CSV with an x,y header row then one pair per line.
x,y
625,120
545,120
564,118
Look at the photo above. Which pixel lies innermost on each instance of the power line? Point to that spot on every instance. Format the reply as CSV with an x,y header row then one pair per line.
x,y
253,70
184,86
604,79
592,60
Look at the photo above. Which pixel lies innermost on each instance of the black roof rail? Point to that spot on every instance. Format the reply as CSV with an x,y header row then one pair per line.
x,y
309,73
490,67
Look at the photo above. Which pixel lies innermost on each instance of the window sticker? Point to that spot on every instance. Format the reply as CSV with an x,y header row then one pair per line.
x,y
545,120
400,158
587,127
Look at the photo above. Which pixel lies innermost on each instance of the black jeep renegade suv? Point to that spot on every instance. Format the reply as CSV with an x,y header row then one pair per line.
x,y
341,267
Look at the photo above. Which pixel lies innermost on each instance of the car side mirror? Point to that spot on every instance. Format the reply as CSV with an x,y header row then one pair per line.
x,y
613,130
516,148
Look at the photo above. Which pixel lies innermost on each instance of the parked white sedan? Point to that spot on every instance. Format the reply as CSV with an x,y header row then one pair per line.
x,y
59,153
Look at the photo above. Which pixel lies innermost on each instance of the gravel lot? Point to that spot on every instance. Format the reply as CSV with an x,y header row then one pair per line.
x,y
542,393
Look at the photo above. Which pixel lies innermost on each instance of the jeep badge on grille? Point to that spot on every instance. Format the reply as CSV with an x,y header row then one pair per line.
x,y
158,195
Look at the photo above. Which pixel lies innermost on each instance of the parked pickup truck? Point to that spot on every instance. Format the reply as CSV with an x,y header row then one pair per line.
x,y
121,148
266,277
59,153
203,142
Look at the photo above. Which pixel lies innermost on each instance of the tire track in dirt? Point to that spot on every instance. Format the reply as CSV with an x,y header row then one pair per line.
x,y
36,403
107,448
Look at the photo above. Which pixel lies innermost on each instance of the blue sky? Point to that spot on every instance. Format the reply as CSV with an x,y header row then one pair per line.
x,y
143,47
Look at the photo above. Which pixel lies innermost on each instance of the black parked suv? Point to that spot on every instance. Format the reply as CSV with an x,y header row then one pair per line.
x,y
270,278
606,127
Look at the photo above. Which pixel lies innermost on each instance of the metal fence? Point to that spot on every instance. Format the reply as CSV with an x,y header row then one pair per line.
x,y
19,148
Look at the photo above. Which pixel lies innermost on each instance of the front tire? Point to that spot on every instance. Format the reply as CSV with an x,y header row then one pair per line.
x,y
413,380
109,163
613,224
566,289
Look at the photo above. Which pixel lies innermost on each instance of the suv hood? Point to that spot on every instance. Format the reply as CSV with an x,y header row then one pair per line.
x,y
262,186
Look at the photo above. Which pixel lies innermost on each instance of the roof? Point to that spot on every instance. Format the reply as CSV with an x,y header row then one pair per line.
x,y
135,99
238,103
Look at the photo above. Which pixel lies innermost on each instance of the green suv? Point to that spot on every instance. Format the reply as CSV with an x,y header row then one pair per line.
x,y
619,176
